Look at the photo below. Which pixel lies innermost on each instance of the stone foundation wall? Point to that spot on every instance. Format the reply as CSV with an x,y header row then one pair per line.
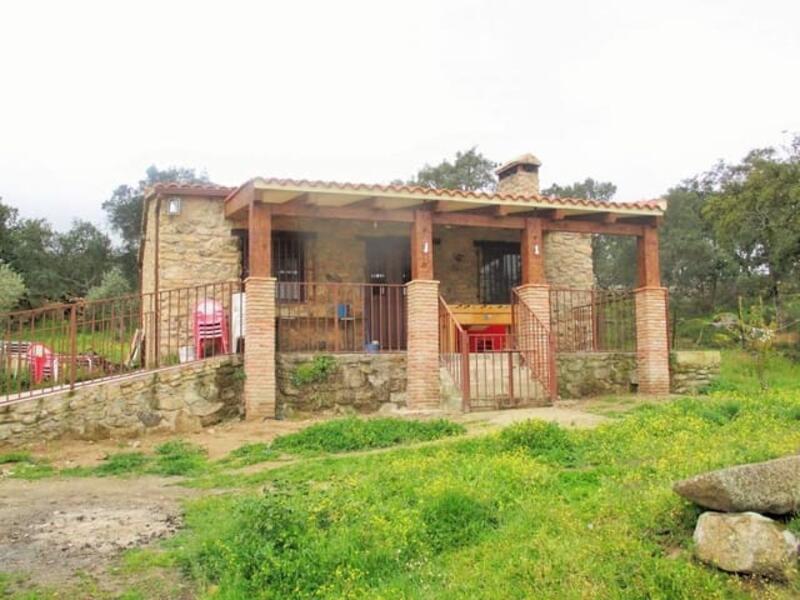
x,y
181,398
359,383
585,374
690,371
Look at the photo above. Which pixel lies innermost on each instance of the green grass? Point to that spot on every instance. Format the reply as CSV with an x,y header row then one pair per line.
x,y
738,373
534,511
347,435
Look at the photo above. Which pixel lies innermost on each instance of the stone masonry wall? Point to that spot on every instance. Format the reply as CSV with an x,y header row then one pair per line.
x,y
359,383
691,371
196,246
181,398
584,374
568,260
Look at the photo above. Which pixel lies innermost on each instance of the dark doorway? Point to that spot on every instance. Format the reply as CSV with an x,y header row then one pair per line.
x,y
388,262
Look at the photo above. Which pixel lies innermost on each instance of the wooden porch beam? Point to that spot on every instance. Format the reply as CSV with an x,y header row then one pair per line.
x,y
473,220
422,245
343,212
260,240
573,226
300,200
532,252
462,219
238,205
364,203
649,274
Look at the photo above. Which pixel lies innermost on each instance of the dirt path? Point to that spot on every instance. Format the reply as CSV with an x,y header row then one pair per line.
x,y
218,442
53,528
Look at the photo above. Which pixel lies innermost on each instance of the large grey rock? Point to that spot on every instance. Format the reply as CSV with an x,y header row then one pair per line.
x,y
771,487
746,543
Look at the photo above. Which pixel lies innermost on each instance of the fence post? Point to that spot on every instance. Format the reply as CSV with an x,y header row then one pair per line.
x,y
336,318
73,345
465,387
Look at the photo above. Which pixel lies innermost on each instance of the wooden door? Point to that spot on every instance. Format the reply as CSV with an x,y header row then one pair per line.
x,y
388,262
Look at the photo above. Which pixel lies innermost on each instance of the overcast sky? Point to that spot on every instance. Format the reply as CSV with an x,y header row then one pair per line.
x,y
637,92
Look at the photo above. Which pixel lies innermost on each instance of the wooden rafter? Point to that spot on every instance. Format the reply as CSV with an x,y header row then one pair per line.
x,y
237,205
464,219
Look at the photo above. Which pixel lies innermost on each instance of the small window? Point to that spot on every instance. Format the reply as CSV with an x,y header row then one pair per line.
x,y
499,268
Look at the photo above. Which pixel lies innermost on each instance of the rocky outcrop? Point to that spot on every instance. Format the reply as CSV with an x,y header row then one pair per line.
x,y
746,543
771,487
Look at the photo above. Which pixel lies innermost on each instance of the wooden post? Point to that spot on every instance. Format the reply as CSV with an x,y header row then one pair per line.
x,y
532,252
647,251
260,240
422,245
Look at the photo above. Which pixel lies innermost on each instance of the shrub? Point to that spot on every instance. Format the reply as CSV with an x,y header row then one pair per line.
x,y
178,457
12,288
15,457
112,284
250,454
546,441
122,463
454,519
316,370
344,435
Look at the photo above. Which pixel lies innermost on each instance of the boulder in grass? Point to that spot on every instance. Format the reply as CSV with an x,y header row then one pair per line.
x,y
771,487
746,543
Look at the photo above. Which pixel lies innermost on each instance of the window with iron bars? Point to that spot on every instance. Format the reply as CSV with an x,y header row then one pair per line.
x,y
499,270
289,262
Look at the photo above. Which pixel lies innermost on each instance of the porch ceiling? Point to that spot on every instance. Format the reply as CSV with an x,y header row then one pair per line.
x,y
397,202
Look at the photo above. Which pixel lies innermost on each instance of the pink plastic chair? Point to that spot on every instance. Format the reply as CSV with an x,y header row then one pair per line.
x,y
209,324
43,362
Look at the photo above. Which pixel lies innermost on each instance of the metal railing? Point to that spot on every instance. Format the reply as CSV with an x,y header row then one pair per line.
x,y
341,317
493,370
593,320
454,352
536,341
64,346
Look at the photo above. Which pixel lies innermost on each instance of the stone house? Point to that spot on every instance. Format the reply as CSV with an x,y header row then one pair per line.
x,y
474,292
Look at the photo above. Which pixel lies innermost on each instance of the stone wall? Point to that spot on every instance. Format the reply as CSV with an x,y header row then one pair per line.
x,y
180,398
568,259
692,370
359,383
584,374
196,246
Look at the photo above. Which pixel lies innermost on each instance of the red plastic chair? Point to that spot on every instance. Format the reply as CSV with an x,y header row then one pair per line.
x,y
209,324
43,362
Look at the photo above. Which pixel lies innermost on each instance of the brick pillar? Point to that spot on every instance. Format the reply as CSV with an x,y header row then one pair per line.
x,y
652,347
536,297
422,297
259,348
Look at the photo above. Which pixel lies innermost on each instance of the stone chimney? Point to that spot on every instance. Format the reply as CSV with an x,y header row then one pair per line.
x,y
567,256
519,176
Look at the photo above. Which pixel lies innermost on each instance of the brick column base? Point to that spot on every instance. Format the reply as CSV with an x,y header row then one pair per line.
x,y
537,297
652,347
422,297
259,349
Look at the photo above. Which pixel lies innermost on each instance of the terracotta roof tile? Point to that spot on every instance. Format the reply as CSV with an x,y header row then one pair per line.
x,y
211,189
